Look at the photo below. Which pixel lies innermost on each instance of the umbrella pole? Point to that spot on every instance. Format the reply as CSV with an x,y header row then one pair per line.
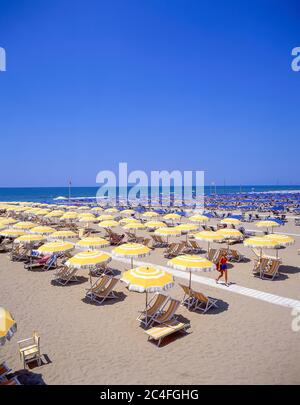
x,y
146,307
190,282
131,262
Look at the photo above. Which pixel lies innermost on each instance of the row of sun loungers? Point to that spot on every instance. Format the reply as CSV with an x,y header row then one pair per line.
x,y
266,268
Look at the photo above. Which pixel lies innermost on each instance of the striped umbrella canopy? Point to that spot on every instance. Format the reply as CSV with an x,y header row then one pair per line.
x,y
97,209
191,263
24,225
105,217
2,226
228,233
42,230
112,210
55,247
131,250
108,224
198,218
63,235
172,216
29,239
92,243
125,221
55,214
127,212
154,224
69,216
148,279
283,240
12,233
134,226
208,236
167,232
267,224
187,227
88,259
150,214
8,326
230,221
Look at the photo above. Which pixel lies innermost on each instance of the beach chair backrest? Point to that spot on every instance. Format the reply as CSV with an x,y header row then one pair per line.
x,y
101,283
109,287
211,254
273,268
172,308
160,300
188,291
199,296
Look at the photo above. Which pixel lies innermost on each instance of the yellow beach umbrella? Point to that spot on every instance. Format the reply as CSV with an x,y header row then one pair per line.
x,y
88,259
87,218
267,224
261,242
125,221
12,233
191,263
69,216
127,212
108,224
148,279
2,226
208,236
105,217
55,214
233,221
112,210
154,224
42,230
172,216
24,225
187,227
97,209
134,226
167,232
63,235
55,247
92,243
150,214
8,326
228,233
29,239
283,240
198,218
131,250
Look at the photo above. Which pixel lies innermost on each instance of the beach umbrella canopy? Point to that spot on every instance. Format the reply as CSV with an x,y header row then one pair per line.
x,y
187,227
105,217
2,226
24,225
154,224
228,233
69,216
8,326
129,221
208,236
198,218
267,224
63,235
261,242
55,247
131,250
191,263
172,216
29,239
283,240
134,226
150,214
230,221
91,243
55,214
87,218
112,210
42,230
166,231
88,259
127,212
12,233
97,209
108,224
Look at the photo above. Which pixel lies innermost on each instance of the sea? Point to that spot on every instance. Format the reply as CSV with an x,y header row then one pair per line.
x,y
50,194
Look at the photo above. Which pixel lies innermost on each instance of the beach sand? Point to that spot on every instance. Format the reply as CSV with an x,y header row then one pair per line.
x,y
244,341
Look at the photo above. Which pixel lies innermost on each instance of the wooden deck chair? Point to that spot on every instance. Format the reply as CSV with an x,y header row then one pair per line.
x,y
168,314
64,275
193,246
99,284
10,381
236,256
211,254
260,266
153,308
170,249
188,298
100,294
163,330
271,271
202,302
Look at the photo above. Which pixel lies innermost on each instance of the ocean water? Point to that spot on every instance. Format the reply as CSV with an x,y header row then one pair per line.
x,y
48,194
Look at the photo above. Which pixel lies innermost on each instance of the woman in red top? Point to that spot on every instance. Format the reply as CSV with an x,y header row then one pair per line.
x,y
222,268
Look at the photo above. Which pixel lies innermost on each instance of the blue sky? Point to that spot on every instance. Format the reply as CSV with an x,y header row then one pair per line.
x,y
186,85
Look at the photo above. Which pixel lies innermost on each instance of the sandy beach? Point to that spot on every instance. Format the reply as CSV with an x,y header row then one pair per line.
x,y
245,341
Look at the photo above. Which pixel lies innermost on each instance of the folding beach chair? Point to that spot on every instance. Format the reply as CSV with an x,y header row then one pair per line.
x,y
202,302
153,308
100,293
4,370
211,254
64,275
168,314
188,298
272,270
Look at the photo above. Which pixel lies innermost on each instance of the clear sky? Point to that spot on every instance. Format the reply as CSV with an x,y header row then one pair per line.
x,y
160,84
